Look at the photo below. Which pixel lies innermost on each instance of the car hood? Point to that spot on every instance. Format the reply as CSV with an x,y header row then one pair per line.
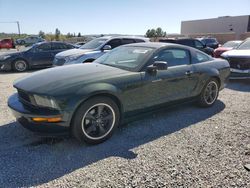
x,y
55,80
73,52
10,53
236,53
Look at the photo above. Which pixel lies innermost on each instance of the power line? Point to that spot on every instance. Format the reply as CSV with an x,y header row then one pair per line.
x,y
18,25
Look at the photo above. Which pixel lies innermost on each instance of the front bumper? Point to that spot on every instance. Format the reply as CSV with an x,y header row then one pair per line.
x,y
24,115
5,65
239,74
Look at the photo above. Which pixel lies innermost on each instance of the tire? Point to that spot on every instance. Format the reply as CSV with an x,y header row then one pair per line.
x,y
20,65
95,120
209,93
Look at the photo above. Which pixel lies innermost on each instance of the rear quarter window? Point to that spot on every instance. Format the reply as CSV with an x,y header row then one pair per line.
x,y
200,57
139,40
128,41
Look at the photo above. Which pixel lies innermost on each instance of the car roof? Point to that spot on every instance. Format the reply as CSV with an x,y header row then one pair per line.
x,y
157,45
124,36
44,42
176,39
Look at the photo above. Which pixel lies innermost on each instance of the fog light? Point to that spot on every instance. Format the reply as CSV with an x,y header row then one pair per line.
x,y
50,120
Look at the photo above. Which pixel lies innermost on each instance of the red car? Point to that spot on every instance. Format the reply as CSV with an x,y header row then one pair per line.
x,y
7,43
227,46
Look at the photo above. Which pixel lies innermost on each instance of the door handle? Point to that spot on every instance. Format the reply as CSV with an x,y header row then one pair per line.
x,y
189,73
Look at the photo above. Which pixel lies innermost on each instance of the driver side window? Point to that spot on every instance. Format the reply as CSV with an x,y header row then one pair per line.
x,y
44,47
198,44
174,57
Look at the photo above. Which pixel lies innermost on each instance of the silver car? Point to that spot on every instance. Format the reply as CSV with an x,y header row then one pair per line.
x,y
30,40
94,49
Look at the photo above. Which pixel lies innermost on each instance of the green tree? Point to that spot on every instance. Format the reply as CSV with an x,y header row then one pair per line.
x,y
148,33
68,35
57,34
79,34
159,32
153,33
41,34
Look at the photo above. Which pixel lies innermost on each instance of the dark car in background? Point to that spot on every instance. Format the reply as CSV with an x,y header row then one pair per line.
x,y
29,40
239,60
90,100
226,47
210,42
94,49
192,43
7,43
37,56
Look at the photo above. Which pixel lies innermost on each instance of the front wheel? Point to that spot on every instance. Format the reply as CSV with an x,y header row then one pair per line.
x,y
95,120
209,93
20,65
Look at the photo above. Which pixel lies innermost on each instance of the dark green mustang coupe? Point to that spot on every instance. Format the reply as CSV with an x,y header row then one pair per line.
x,y
91,100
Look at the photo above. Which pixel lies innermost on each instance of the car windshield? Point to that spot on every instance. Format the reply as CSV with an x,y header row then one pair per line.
x,y
231,44
245,45
93,44
126,57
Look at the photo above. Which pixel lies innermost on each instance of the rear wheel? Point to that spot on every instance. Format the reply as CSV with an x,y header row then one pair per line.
x,y
209,93
20,65
95,120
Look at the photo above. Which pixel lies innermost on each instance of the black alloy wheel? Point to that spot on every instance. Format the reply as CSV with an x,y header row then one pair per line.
x,y
95,120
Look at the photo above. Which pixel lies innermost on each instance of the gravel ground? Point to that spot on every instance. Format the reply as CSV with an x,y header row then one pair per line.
x,y
184,146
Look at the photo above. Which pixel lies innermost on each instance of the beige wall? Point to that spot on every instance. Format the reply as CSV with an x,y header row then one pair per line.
x,y
236,24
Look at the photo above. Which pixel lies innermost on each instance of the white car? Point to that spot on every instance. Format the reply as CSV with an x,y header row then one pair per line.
x,y
94,49
239,60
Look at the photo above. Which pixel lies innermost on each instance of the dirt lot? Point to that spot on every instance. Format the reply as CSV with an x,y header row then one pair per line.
x,y
185,146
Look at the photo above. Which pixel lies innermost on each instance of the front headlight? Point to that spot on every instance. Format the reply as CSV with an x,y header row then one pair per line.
x,y
71,58
45,101
4,57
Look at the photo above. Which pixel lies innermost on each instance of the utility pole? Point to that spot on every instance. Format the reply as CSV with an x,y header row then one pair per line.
x,y
18,26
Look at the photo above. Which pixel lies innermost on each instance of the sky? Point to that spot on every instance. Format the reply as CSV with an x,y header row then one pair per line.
x,y
133,17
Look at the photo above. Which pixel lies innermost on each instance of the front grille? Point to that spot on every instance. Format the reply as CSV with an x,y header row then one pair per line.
x,y
59,61
239,63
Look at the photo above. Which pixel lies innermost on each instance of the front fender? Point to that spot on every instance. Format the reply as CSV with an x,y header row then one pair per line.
x,y
91,90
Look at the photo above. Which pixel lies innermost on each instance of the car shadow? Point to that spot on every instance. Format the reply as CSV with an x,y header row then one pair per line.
x,y
239,85
27,160
13,72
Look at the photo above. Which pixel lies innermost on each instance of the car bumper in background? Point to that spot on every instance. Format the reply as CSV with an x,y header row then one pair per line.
x,y
239,74
5,66
24,116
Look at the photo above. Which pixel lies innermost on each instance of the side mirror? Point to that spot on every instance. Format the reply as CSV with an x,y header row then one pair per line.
x,y
157,65
161,65
107,47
